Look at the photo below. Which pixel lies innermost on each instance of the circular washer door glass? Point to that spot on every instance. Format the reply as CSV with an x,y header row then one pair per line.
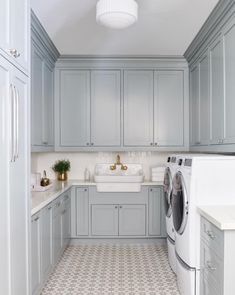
x,y
179,203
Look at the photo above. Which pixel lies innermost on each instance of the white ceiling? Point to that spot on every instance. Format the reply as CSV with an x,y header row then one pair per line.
x,y
165,27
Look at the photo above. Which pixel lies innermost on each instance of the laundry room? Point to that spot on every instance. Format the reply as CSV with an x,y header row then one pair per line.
x,y
117,147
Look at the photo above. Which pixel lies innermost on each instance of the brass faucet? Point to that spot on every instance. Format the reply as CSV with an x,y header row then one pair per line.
x,y
118,163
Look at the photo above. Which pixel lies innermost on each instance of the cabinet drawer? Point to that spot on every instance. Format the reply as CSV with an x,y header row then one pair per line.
x,y
213,236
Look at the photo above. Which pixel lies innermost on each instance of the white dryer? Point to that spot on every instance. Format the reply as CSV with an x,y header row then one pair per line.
x,y
168,177
199,180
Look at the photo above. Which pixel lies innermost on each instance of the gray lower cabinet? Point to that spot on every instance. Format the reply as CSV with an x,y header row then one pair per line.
x,y
168,129
66,220
132,220
155,211
81,212
138,108
104,220
57,232
35,254
105,108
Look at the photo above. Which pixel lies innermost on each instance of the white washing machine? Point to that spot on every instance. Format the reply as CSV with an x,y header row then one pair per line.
x,y
168,177
199,180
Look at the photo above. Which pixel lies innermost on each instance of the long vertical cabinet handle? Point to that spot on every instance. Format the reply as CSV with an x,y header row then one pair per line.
x,y
12,111
17,124
14,123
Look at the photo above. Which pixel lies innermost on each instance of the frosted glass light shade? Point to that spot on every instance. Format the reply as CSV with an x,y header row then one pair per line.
x,y
116,14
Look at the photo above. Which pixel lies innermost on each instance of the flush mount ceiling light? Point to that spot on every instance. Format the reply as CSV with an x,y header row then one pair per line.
x,y
116,14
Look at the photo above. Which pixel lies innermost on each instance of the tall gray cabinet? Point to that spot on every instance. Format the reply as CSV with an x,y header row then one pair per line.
x,y
14,147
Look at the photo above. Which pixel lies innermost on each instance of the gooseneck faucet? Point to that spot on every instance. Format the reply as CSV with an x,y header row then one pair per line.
x,y
118,163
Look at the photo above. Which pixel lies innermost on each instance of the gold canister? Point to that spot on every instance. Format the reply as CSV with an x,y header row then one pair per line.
x,y
63,176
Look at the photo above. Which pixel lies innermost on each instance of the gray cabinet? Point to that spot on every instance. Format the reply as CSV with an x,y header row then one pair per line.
x,y
155,211
46,242
74,108
217,91
104,220
168,108
138,108
105,108
204,94
132,220
35,254
42,103
14,31
82,211
66,220
194,105
56,230
229,60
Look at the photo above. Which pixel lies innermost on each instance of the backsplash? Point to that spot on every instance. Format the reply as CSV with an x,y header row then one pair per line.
x,y
81,161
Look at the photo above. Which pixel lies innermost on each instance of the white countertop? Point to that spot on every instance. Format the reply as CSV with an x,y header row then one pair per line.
x,y
222,217
42,199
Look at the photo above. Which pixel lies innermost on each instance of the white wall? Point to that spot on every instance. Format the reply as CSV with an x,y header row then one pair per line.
x,y
81,161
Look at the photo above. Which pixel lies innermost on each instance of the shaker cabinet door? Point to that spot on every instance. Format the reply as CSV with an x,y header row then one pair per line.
x,y
168,108
105,108
35,255
82,211
138,108
74,108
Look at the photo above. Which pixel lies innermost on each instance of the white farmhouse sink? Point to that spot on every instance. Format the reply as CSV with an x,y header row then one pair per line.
x,y
118,180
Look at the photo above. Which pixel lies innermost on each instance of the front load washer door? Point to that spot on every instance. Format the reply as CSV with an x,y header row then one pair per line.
x,y
179,203
167,192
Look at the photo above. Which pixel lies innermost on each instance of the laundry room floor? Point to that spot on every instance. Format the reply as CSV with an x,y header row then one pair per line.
x,y
113,269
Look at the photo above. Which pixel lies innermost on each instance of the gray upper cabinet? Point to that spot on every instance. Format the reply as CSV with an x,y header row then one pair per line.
x,y
194,105
74,108
217,92
204,93
105,108
168,108
42,102
229,53
14,31
138,108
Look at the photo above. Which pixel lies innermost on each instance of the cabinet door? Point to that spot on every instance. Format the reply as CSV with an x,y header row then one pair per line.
x,y
5,25
20,30
18,186
4,199
138,108
105,108
104,220
229,47
35,255
195,105
82,212
46,241
217,92
204,109
37,65
132,220
56,229
65,215
155,219
169,108
74,108
48,106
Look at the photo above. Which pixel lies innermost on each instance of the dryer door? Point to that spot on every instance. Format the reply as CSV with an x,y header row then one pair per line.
x,y
179,203
167,192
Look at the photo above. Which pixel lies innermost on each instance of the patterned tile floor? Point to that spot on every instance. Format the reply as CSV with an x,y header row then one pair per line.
x,y
113,269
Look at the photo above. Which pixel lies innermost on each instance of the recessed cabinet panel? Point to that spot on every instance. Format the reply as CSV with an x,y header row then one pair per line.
x,y
217,92
169,108
82,212
105,108
74,108
35,254
195,105
155,221
204,100
229,46
132,220
104,220
138,108
36,97
5,24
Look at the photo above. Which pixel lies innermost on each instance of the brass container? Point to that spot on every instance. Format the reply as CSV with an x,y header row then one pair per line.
x,y
62,176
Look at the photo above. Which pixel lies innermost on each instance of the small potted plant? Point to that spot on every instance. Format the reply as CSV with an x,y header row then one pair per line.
x,y
61,167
